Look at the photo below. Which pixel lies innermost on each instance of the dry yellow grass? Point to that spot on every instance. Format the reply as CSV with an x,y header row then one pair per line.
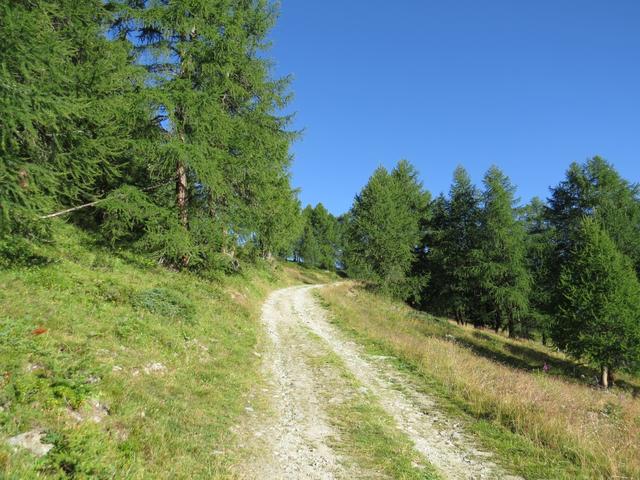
x,y
596,432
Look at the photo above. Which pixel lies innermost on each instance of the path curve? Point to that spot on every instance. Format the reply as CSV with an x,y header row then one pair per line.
x,y
300,434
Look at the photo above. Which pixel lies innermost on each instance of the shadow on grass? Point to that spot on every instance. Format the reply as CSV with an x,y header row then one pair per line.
x,y
529,359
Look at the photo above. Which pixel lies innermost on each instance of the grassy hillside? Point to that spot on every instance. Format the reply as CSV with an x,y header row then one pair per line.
x,y
128,369
542,425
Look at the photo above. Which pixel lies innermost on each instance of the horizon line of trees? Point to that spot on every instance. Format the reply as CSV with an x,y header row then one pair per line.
x,y
565,270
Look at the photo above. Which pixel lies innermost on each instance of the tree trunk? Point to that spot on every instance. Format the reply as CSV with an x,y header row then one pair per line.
x,y
604,377
181,202
181,194
511,327
496,327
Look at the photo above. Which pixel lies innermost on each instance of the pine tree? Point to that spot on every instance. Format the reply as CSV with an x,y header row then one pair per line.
x,y
432,261
385,230
223,145
70,107
596,187
599,311
319,241
454,239
501,269
539,259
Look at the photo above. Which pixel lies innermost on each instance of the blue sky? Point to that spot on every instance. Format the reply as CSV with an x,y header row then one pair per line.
x,y
527,85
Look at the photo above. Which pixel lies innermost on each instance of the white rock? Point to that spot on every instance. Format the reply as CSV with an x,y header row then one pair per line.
x,y
31,441
155,367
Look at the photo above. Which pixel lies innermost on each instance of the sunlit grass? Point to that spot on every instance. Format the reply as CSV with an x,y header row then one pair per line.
x,y
107,320
367,435
542,425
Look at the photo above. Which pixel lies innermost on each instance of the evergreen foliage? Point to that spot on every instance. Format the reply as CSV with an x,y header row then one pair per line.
x,y
599,312
224,147
453,239
503,278
385,230
318,245
539,259
69,103
596,188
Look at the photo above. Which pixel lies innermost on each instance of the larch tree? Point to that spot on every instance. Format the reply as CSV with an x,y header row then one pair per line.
x,y
453,241
324,228
308,247
385,230
599,310
539,259
501,270
70,106
224,146
590,187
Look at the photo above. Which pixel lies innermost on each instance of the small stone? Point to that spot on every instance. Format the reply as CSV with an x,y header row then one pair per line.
x,y
31,441
97,411
248,409
93,411
155,367
34,367
117,368
75,415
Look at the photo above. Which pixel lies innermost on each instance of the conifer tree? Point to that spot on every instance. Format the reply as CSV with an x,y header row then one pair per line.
x,y
453,243
385,230
308,247
319,241
594,187
501,269
432,261
223,144
70,106
599,313
539,259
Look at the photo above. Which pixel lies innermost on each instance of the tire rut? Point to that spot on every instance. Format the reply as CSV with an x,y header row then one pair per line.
x,y
300,434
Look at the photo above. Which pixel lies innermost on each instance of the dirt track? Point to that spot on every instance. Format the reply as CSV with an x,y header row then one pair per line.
x,y
298,438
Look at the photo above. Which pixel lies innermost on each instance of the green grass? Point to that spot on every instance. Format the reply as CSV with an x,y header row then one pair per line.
x,y
368,436
106,317
541,426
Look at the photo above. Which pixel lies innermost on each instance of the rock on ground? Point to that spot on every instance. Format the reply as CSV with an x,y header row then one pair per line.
x,y
31,441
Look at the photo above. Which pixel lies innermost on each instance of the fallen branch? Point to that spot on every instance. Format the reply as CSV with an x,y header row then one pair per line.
x,y
91,204
73,209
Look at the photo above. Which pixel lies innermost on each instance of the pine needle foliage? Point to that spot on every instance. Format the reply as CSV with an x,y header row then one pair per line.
x,y
385,231
599,312
503,278
453,238
69,105
223,143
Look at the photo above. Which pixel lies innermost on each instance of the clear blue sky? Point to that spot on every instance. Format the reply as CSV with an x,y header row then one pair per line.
x,y
527,85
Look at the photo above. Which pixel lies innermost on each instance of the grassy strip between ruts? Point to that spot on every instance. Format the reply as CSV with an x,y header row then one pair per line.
x,y
540,426
129,370
367,434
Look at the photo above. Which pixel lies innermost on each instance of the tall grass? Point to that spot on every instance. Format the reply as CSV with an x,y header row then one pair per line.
x,y
543,425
